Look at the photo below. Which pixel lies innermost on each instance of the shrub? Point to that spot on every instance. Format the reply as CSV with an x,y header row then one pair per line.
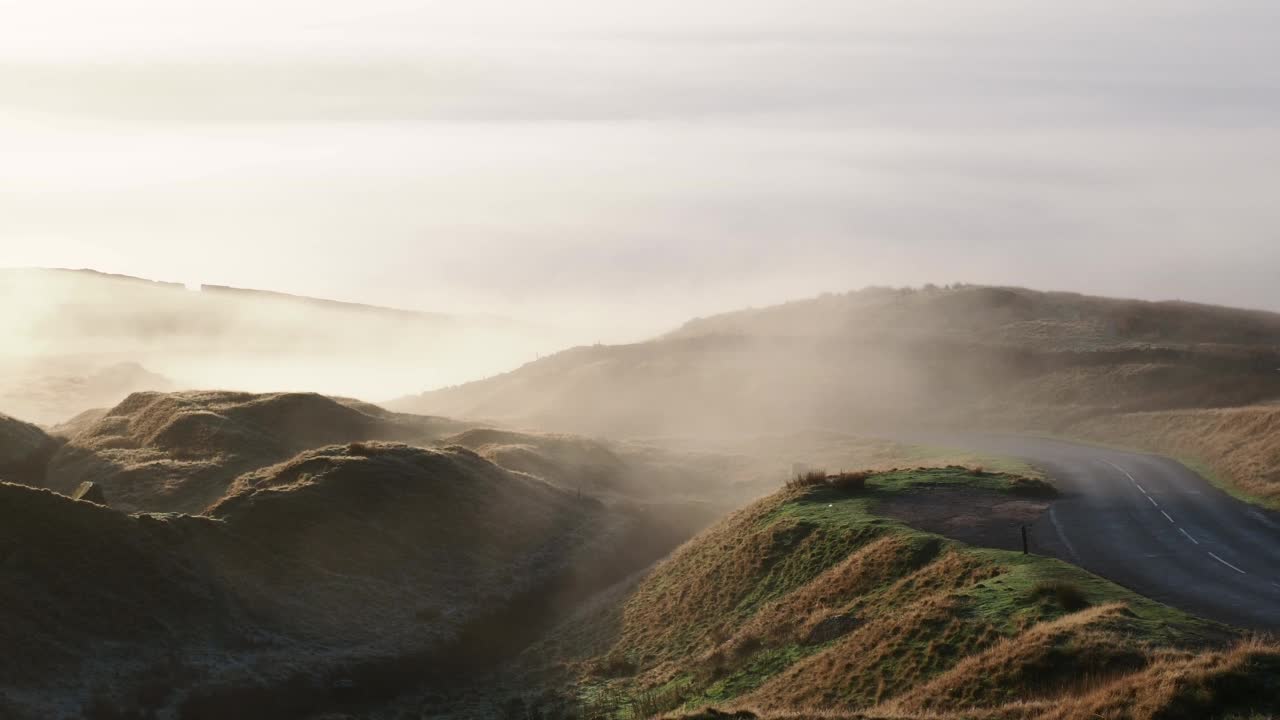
x,y
846,481
849,481
813,478
1032,487
1068,596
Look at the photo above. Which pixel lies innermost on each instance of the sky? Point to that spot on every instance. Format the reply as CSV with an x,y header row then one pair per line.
x,y
621,167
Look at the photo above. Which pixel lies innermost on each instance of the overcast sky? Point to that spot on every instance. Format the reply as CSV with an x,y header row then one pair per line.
x,y
628,165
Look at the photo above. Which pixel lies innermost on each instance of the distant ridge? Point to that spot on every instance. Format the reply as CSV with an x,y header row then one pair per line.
x,y
76,323
229,290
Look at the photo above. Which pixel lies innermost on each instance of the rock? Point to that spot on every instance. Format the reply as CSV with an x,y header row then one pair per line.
x,y
90,492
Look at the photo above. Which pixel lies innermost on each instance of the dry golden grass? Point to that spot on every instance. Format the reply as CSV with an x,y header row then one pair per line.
x,y
910,635
1050,658
1236,683
670,621
795,616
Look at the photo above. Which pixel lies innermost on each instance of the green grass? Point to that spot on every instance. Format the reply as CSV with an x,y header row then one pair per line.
x,y
1009,598
751,675
932,455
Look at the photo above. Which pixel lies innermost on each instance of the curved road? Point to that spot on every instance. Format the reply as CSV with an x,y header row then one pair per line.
x,y
1152,525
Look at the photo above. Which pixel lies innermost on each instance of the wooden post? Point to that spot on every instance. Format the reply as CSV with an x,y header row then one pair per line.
x,y
1024,539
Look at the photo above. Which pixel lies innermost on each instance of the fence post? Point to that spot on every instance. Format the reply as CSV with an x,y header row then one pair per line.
x,y
1024,539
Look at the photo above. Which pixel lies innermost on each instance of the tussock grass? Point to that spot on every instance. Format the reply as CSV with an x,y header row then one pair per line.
x,y
845,481
809,604
1067,595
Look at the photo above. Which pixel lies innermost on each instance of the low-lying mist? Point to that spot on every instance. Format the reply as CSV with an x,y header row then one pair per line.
x,y
71,340
882,359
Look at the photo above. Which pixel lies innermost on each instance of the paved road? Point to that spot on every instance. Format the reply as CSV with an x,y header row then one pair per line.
x,y
1152,525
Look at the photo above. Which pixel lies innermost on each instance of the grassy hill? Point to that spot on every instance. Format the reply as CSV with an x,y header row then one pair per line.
x,y
962,357
179,452
332,580
814,603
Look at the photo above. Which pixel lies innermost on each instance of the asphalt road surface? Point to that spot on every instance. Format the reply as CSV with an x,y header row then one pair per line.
x,y
1152,525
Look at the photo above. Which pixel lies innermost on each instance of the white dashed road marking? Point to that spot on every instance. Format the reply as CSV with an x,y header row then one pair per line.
x,y
1224,562
1126,474
1170,519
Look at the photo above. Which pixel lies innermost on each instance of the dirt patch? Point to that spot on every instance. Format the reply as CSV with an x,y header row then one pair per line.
x,y
977,517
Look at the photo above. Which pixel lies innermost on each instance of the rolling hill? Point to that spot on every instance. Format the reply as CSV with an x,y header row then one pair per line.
x,y
180,452
337,578
876,360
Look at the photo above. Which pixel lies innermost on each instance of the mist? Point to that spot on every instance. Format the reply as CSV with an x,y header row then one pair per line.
x,y
620,169
75,340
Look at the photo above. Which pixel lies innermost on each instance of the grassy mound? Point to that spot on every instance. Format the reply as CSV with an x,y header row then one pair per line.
x,y
574,461
341,576
178,452
811,599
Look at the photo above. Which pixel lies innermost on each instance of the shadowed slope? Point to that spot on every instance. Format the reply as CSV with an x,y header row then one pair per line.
x,y
25,451
374,566
578,462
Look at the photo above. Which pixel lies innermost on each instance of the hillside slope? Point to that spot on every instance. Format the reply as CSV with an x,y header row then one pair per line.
x,y
337,578
179,452
971,357
811,603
